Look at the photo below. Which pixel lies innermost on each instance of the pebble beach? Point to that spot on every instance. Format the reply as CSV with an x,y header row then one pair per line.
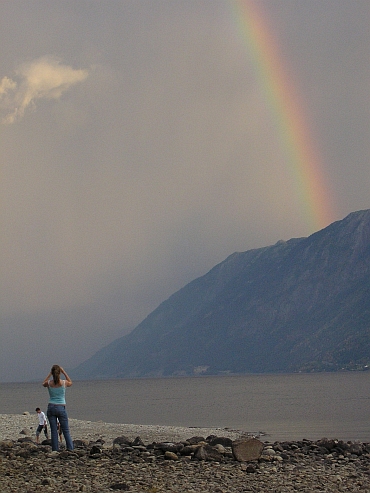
x,y
12,424
155,459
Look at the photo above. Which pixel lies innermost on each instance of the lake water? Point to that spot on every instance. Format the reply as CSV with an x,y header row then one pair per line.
x,y
284,406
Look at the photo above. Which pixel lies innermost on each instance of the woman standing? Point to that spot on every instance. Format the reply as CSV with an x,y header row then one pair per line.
x,y
57,405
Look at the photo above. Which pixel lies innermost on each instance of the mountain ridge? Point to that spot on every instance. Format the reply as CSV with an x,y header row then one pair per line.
x,y
297,305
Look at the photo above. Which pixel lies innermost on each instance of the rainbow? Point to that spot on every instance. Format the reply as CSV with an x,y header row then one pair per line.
x,y
287,110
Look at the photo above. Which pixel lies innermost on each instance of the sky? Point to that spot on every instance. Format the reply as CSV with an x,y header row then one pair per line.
x,y
142,142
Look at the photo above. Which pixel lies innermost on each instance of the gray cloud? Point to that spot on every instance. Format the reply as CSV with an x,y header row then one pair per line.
x,y
43,78
162,161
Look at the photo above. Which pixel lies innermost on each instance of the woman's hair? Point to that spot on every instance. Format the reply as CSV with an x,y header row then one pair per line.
x,y
55,371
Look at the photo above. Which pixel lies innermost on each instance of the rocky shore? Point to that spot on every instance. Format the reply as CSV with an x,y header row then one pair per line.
x,y
156,459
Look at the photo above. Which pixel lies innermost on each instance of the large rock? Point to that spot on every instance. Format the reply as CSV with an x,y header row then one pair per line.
x,y
245,450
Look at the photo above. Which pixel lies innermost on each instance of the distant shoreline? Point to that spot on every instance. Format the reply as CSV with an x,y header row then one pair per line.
x,y
365,368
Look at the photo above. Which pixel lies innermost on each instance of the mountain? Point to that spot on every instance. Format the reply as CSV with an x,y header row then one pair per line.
x,y
299,305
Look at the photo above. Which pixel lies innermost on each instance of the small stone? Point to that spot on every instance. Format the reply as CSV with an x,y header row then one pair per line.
x,y
220,448
170,455
119,486
25,431
269,451
95,450
137,442
195,440
122,440
206,452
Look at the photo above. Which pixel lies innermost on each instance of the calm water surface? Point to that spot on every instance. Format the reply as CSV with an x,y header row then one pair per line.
x,y
284,406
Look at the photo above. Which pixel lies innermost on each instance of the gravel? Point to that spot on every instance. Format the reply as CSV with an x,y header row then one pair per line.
x,y
12,424
325,466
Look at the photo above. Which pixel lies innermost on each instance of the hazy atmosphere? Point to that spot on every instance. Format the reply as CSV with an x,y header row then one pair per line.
x,y
142,142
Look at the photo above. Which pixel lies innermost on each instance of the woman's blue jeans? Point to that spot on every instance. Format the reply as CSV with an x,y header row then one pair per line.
x,y
58,412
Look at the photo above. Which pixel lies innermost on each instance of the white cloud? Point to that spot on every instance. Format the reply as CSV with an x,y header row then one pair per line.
x,y
43,78
6,84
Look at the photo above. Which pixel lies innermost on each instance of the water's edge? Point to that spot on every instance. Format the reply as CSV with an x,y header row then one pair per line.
x,y
280,407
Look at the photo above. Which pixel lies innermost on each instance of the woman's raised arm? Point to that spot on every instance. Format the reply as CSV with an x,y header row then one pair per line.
x,y
45,383
68,380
